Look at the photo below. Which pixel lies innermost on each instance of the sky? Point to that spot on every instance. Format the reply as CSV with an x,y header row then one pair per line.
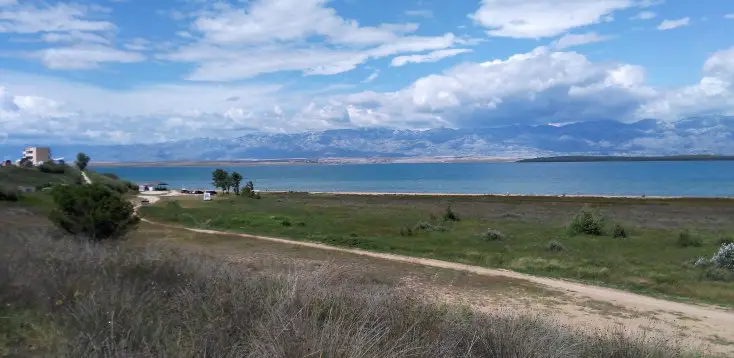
x,y
141,71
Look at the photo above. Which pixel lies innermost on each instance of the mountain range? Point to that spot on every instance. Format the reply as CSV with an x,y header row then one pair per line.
x,y
697,135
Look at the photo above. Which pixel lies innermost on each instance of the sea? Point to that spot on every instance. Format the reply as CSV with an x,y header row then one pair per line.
x,y
684,178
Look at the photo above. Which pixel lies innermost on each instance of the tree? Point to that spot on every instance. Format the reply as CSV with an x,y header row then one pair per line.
x,y
92,211
220,178
82,160
236,179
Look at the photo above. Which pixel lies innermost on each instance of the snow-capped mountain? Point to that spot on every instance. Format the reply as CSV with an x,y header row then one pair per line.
x,y
699,135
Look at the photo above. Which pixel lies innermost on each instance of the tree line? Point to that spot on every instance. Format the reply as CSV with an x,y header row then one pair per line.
x,y
231,182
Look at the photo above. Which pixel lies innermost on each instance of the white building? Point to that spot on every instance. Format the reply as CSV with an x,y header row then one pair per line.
x,y
36,155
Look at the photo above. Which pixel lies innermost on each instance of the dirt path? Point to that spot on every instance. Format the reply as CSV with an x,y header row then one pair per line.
x,y
708,324
86,178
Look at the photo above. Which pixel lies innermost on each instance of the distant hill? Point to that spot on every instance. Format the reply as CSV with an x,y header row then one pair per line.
x,y
699,135
669,158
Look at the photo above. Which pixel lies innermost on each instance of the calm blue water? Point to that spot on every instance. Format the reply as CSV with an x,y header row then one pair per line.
x,y
621,178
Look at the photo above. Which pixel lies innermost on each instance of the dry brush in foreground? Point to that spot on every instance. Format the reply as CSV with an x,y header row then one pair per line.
x,y
70,298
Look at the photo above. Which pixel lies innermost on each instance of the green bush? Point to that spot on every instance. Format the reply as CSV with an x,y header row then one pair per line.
x,y
587,222
92,211
556,246
493,235
450,215
686,239
53,168
286,222
726,241
406,231
111,176
618,232
9,194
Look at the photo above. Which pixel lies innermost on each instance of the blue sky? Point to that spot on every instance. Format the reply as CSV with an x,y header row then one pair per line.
x,y
127,71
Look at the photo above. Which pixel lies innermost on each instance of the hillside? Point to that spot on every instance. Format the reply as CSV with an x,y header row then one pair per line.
x,y
32,177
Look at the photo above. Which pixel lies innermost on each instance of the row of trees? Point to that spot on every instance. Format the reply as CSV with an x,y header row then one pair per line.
x,y
229,182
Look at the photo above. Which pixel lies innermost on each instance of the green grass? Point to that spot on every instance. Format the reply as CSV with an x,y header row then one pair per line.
x,y
650,261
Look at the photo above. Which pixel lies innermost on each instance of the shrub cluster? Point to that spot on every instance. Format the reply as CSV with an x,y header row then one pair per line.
x,y
724,258
92,211
9,194
587,222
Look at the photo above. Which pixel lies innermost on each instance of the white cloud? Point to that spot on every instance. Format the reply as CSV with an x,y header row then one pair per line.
x,y
645,15
85,56
78,38
714,93
373,76
27,19
572,40
262,21
729,16
542,18
75,36
537,87
674,24
54,108
428,14
233,43
434,56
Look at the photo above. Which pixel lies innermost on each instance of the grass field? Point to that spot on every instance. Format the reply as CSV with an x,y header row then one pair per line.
x,y
650,260
65,298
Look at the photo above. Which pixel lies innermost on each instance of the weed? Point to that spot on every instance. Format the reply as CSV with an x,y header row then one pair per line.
x,y
286,222
592,272
618,232
450,214
555,246
686,239
406,231
726,241
719,274
424,226
493,235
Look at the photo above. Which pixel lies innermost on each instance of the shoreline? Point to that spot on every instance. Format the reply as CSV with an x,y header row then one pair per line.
x,y
472,195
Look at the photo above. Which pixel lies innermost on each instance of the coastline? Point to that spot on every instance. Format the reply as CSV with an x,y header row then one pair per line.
x,y
298,161
479,195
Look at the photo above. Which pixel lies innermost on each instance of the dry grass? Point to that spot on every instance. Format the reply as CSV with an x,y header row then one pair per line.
x,y
66,298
